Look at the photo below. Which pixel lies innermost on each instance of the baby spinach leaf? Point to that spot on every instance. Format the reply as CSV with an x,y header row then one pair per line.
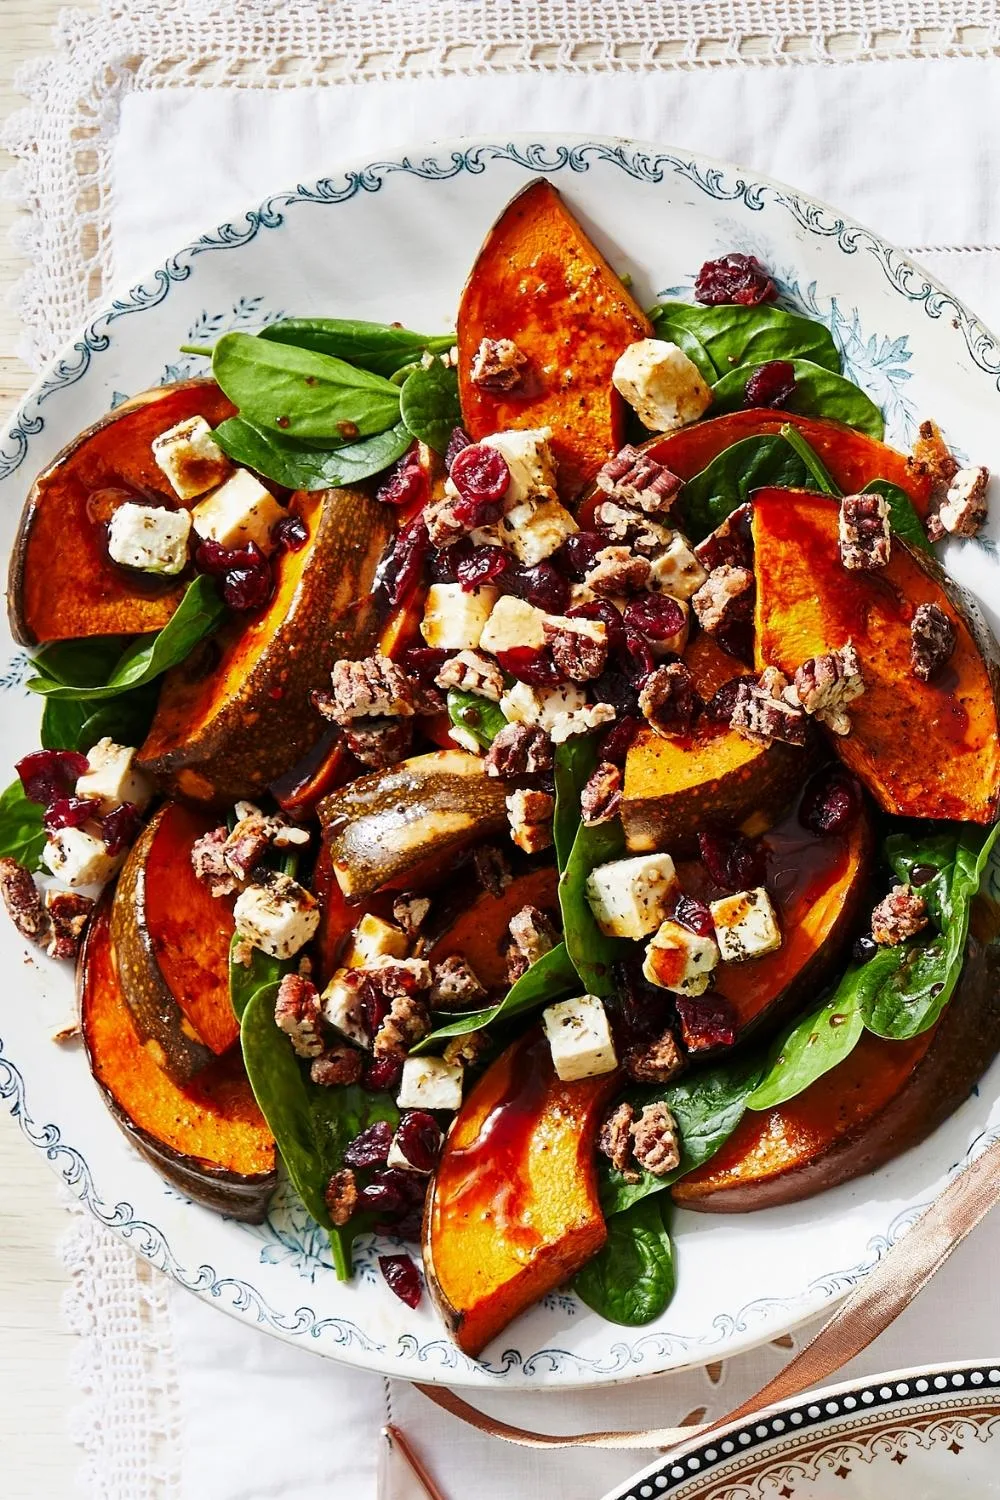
x,y
549,978
734,335
707,1106
476,715
380,347
75,724
301,394
632,1279
83,663
592,953
902,517
262,972
575,760
149,656
678,333
821,476
428,404
821,1040
727,482
818,393
22,836
300,468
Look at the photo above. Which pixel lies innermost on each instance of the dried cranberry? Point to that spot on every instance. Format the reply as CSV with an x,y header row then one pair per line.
x,y
401,570
409,1227
374,1005
771,384
371,1147
68,812
658,617
735,863
403,1277
694,915
382,1074
406,482
920,874
830,803
706,1022
47,775
213,557
642,1010
541,586
384,1194
481,565
616,743
458,440
120,826
734,278
249,586
419,1139
637,658
719,707
423,662
864,949
620,691
600,609
577,553
731,544
481,476
530,664
291,532
443,562
736,640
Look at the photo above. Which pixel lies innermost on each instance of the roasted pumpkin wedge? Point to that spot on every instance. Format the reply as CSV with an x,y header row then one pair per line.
x,y
62,583
539,281
513,1209
171,939
478,930
675,786
924,750
210,1140
881,1100
410,820
236,715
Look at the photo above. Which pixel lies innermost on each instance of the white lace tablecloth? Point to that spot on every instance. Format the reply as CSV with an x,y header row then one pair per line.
x,y
158,117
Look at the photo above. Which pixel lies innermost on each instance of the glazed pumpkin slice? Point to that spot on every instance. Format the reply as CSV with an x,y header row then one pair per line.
x,y
210,1140
477,931
62,583
924,750
539,281
513,1209
237,715
171,939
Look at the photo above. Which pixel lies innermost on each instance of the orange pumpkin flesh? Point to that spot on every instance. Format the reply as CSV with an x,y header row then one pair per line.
x,y
478,931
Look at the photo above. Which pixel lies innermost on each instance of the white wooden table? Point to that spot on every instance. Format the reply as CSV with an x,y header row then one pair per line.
x,y
39,1460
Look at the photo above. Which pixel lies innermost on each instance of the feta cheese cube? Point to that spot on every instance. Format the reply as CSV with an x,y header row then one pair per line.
x,y
536,529
746,925
680,960
677,571
454,620
149,537
191,458
660,383
528,456
278,918
78,856
430,1083
579,1037
239,512
372,939
111,777
581,721
513,622
629,897
341,1002
525,704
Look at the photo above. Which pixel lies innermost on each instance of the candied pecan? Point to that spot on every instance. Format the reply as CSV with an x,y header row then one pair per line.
x,y
825,685
730,544
581,721
373,688
933,458
341,1196
617,571
670,700
497,365
23,901
529,814
454,985
899,916
209,864
932,640
379,743
601,798
657,1061
298,1013
519,750
472,672
248,841
469,1050
631,528
615,1140
410,912
655,1143
963,509
407,1023
443,526
865,538
760,713
633,478
725,597
68,915
397,976
493,873
338,1065
530,935
579,647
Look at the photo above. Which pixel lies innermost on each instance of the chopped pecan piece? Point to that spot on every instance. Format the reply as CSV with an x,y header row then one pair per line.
x,y
932,640
472,672
379,743
248,842
339,1065
298,1013
469,1050
655,1143
725,597
410,912
933,457
579,647
529,814
963,509
530,935
617,571
615,1140
443,526
497,365
373,688
633,478
657,1061
68,915
898,916
760,713
493,873
454,985
54,923
825,685
631,528
209,863
519,750
730,544
669,699
407,1023
601,798
865,538
341,1196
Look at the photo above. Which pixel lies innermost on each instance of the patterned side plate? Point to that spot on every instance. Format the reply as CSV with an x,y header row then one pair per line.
x,y
395,239
927,1434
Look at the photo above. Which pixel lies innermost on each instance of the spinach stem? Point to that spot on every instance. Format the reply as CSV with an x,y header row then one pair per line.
x,y
205,349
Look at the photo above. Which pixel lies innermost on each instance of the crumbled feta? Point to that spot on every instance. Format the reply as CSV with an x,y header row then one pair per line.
x,y
513,622
191,458
453,619
149,537
111,777
341,1002
579,1037
746,925
430,1083
536,529
660,383
629,897
680,960
239,512
525,704
372,939
677,571
581,721
528,456
278,918
78,856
